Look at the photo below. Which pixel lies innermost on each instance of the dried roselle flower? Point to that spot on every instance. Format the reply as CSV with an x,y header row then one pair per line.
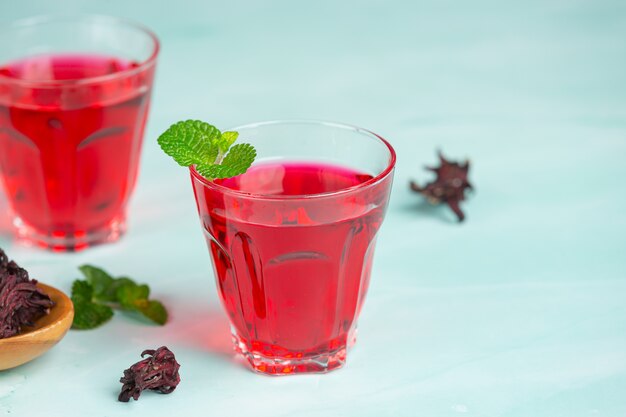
x,y
10,267
21,301
449,186
158,372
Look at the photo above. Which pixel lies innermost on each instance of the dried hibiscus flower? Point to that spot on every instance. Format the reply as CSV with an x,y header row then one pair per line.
x,y
21,301
449,186
158,372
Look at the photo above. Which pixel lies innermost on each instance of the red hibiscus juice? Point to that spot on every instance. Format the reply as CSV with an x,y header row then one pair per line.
x,y
71,128
292,245
74,97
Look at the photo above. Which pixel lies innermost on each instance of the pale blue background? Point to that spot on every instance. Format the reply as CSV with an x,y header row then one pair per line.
x,y
519,312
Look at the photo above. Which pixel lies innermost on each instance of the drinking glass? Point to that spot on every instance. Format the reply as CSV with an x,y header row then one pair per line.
x,y
74,98
293,267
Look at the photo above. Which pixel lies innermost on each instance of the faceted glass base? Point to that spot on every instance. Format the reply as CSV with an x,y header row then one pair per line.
x,y
59,241
322,363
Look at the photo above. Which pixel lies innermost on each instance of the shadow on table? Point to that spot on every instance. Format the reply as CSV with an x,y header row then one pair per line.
x,y
205,329
422,208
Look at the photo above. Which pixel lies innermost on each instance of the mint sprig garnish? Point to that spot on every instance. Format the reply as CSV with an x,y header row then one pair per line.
x,y
99,293
193,142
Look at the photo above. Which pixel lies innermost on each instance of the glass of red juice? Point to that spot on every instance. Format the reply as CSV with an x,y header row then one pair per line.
x,y
292,240
74,98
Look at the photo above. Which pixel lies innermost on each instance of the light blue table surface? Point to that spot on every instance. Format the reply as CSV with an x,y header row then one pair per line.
x,y
519,312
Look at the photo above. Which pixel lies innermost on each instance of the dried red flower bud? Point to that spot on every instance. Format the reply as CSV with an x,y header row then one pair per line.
x,y
449,186
21,302
158,372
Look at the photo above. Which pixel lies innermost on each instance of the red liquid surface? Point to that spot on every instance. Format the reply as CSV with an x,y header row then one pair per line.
x,y
293,277
69,153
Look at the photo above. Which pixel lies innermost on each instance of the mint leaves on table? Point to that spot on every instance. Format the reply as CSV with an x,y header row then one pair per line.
x,y
95,297
193,142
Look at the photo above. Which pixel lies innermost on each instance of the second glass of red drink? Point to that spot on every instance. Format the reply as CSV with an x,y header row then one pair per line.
x,y
292,240
74,98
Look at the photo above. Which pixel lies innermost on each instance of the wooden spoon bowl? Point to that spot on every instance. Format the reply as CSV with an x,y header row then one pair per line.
x,y
37,340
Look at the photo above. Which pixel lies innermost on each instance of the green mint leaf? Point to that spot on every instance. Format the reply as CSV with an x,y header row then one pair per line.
x,y
129,293
153,310
217,171
239,158
87,314
110,295
236,162
82,290
104,285
191,142
212,171
226,141
99,279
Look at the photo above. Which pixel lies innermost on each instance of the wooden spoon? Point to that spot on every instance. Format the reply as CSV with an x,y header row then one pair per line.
x,y
37,340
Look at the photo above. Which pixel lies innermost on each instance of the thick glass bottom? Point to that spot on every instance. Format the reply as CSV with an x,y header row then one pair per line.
x,y
293,363
60,241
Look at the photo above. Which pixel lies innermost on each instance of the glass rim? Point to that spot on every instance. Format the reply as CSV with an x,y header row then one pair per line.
x,y
36,20
259,196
